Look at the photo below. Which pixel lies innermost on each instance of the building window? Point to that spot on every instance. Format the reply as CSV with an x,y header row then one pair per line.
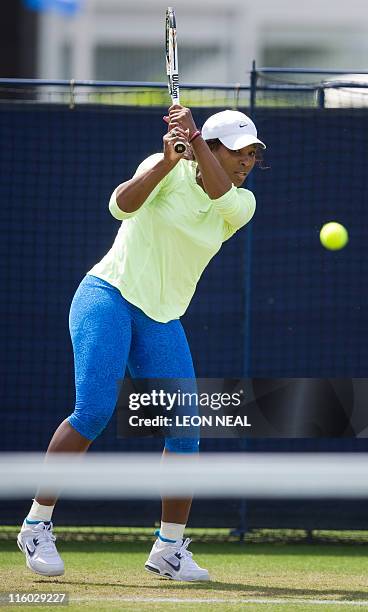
x,y
292,56
66,62
119,63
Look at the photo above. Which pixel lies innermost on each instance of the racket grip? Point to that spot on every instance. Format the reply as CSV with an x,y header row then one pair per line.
x,y
180,146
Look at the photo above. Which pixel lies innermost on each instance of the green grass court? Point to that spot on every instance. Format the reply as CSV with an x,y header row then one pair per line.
x,y
277,577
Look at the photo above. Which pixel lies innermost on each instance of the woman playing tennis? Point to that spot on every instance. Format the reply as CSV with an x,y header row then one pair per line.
x,y
126,312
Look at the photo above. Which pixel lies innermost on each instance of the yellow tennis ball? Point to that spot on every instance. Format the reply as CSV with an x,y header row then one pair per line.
x,y
333,236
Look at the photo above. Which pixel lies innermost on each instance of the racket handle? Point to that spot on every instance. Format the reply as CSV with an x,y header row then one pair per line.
x,y
180,146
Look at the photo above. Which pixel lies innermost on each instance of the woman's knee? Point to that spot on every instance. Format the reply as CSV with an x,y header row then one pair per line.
x,y
90,423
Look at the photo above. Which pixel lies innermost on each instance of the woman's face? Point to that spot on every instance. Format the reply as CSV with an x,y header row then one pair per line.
x,y
237,164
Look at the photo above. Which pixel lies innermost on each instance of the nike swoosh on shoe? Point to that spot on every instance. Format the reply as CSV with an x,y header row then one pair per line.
x,y
175,567
30,552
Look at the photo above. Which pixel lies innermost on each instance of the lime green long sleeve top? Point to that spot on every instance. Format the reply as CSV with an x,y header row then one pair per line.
x,y
161,249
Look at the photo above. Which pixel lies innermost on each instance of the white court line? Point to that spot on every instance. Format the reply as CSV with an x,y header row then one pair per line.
x,y
176,600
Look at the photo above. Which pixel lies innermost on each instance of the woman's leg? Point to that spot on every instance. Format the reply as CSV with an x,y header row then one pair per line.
x,y
161,350
65,440
100,329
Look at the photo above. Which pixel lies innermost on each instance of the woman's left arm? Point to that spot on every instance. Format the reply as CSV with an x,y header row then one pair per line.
x,y
235,206
237,209
215,180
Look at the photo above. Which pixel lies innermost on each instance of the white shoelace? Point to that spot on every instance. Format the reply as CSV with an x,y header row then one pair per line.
x,y
186,554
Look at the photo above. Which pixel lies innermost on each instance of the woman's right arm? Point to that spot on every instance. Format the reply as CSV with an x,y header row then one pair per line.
x,y
133,193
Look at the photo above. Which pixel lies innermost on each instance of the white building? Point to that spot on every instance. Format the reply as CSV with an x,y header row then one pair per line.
x,y
218,39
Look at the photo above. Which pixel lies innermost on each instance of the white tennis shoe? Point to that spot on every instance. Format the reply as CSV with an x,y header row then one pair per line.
x,y
174,561
37,542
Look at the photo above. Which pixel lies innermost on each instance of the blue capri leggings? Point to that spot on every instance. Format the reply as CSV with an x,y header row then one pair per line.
x,y
108,334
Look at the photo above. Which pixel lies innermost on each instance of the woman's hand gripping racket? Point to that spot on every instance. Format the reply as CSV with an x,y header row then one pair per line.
x,y
172,68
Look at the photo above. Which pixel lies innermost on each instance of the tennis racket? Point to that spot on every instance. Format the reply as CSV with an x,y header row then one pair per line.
x,y
172,67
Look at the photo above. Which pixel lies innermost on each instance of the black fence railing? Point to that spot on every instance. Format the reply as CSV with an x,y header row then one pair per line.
x,y
274,303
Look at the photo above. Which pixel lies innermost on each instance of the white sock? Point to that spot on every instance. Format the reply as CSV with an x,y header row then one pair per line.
x,y
38,512
172,531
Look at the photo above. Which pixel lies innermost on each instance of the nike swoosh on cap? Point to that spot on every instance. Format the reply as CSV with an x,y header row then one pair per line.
x,y
243,124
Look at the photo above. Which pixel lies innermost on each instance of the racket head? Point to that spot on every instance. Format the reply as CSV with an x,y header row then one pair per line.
x,y
167,39
171,50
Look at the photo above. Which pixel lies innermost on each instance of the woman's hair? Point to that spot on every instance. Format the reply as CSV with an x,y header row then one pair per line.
x,y
215,143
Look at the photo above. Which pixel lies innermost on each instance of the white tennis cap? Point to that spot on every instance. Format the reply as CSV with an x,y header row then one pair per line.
x,y
233,128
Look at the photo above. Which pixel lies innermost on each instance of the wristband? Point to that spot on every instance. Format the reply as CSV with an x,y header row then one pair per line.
x,y
195,135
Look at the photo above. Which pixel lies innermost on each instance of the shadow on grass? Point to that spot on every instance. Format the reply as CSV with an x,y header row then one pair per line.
x,y
224,548
164,587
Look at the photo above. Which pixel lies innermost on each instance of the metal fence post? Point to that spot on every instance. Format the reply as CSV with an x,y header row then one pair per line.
x,y
248,250
244,443
320,97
